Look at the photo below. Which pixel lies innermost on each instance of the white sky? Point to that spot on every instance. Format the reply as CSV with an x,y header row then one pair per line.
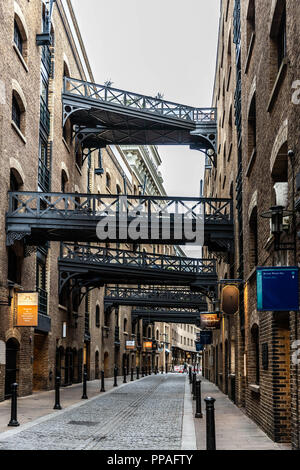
x,y
151,46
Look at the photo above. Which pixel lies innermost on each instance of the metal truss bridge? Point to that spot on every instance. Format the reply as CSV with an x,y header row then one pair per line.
x,y
40,217
107,116
154,296
167,315
93,266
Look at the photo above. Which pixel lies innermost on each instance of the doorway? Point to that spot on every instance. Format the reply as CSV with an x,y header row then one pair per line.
x,y
11,368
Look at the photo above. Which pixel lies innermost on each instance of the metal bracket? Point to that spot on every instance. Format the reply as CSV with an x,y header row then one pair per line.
x,y
12,237
69,109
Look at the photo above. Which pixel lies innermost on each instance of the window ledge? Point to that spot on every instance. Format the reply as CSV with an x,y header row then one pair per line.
x,y
250,50
61,307
251,163
15,127
21,58
277,84
254,388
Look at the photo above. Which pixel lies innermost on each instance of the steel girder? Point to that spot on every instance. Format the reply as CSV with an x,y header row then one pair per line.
x,y
93,266
167,315
107,116
41,217
153,297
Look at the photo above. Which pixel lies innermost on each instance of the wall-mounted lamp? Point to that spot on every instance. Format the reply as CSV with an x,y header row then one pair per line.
x,y
276,214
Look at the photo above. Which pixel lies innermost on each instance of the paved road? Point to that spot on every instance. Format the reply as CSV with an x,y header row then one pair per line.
x,y
146,414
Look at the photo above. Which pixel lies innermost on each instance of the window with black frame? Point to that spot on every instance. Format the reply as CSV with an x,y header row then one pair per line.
x,y
16,112
18,38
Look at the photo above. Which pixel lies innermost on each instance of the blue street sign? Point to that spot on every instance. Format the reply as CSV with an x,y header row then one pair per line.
x,y
205,337
277,289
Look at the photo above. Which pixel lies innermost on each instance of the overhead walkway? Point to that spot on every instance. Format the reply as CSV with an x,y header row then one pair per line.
x,y
105,116
94,266
154,296
40,217
167,315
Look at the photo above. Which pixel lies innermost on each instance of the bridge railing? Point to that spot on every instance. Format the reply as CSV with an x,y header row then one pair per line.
x,y
104,93
97,255
154,293
70,205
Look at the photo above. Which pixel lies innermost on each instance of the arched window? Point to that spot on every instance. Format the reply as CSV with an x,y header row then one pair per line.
x,y
252,128
20,32
16,112
125,325
64,181
97,316
108,180
18,37
253,245
255,351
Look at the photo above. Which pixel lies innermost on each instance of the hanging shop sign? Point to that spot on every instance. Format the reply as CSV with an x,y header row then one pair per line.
x,y
130,345
230,299
210,321
147,344
199,346
277,289
205,337
27,309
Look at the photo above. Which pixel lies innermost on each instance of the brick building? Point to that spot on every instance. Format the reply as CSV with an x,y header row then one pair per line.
x,y
38,153
252,356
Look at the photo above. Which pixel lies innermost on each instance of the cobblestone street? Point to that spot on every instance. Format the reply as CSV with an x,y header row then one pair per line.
x,y
153,413
145,414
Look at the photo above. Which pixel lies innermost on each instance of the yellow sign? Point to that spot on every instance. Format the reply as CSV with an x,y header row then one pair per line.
x,y
148,345
27,309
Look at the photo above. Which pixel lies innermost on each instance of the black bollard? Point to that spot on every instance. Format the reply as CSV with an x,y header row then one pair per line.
x,y
210,424
150,370
190,374
13,417
194,377
166,368
162,369
137,373
155,370
146,371
143,372
102,381
84,395
115,376
198,413
57,393
125,375
131,378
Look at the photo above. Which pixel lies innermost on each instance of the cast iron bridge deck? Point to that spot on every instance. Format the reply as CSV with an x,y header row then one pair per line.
x,y
41,217
153,297
107,116
167,315
94,266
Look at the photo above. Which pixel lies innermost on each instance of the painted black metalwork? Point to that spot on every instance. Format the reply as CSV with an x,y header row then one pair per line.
x,y
45,39
93,266
154,296
107,116
42,217
167,315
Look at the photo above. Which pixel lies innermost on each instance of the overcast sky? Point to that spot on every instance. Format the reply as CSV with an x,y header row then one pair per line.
x,y
151,46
